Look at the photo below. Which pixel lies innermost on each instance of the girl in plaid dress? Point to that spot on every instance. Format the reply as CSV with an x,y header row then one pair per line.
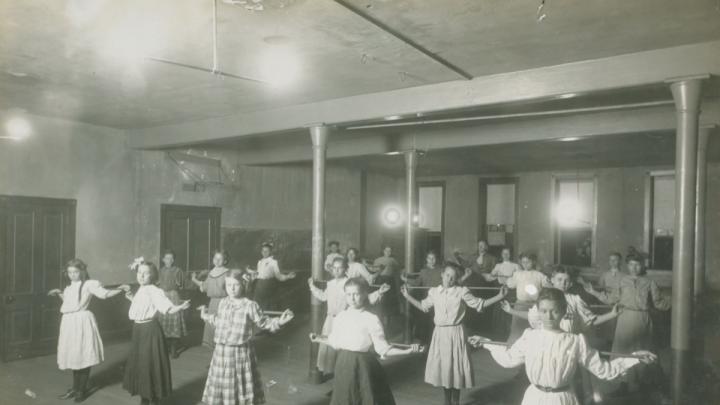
x,y
234,377
171,280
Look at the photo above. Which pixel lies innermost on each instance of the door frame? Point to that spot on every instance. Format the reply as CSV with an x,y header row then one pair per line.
x,y
69,250
483,182
441,184
165,209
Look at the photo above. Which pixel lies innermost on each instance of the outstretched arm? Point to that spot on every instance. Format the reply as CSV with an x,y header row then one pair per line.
x,y
510,310
316,292
497,298
599,320
417,304
57,293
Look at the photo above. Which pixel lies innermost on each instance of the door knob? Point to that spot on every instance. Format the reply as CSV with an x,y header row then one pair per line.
x,y
9,299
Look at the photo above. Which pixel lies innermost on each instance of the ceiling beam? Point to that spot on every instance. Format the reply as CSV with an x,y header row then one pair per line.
x,y
630,70
404,38
658,119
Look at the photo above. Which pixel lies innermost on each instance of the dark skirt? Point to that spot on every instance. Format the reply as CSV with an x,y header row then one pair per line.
x,y
360,380
147,371
389,304
263,292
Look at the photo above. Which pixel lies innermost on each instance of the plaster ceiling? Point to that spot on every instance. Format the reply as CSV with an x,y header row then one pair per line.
x,y
64,58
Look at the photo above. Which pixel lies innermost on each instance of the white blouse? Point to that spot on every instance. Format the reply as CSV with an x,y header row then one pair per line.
x,y
334,295
148,300
357,269
577,318
503,271
71,303
521,279
267,268
551,359
357,330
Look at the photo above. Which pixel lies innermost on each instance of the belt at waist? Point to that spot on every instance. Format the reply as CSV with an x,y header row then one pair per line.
x,y
551,389
634,309
143,320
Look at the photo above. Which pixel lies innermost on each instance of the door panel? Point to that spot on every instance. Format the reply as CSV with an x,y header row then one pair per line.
x,y
37,236
200,240
191,232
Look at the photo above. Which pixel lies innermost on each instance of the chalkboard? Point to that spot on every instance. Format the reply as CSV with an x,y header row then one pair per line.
x,y
292,248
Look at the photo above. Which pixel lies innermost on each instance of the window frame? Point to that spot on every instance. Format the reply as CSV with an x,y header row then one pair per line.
x,y
648,220
556,229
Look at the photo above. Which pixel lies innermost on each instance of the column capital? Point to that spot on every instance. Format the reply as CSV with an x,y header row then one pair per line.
x,y
319,134
687,92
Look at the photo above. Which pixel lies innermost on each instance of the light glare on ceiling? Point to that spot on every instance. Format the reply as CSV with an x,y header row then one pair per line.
x,y
279,65
17,128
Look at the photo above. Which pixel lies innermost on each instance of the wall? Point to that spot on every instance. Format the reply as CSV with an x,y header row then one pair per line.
x,y
381,191
261,198
620,209
119,192
64,159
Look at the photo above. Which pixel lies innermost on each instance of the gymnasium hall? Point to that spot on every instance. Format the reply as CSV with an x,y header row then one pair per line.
x,y
360,202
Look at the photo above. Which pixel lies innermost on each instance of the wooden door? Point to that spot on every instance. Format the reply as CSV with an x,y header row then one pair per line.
x,y
191,232
37,237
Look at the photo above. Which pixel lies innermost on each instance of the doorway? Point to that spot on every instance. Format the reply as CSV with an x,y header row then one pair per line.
x,y
498,214
37,237
192,232
431,211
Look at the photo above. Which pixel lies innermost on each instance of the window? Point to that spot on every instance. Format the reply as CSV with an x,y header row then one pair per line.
x,y
574,215
430,209
662,219
500,214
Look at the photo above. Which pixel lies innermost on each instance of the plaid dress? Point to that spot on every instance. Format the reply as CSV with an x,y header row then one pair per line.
x,y
171,280
234,377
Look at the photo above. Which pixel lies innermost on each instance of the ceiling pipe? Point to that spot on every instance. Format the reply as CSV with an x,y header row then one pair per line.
x,y
516,115
214,70
388,29
214,38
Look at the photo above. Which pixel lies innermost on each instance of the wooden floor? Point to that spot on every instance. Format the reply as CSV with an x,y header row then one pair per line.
x,y
284,367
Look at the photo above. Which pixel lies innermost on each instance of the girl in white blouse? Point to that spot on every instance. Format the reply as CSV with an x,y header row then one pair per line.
x,y
79,344
147,371
552,356
334,295
359,377
266,275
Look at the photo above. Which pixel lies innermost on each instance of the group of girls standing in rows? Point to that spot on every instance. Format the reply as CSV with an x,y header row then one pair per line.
x,y
546,333
156,311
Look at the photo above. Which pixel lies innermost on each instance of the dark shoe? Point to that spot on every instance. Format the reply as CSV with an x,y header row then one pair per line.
x,y
81,396
174,354
69,394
